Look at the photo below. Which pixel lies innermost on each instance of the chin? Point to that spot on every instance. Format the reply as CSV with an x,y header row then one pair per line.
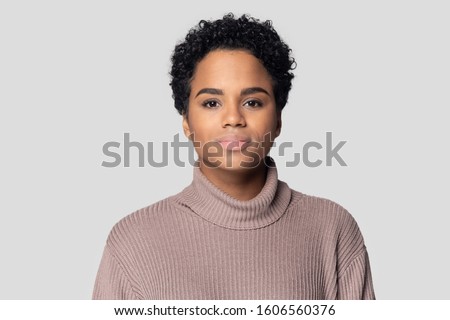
x,y
234,163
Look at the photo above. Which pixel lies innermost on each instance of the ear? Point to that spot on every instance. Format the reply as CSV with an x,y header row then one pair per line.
x,y
186,128
278,128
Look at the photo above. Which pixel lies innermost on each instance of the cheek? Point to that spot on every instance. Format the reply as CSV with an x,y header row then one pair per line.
x,y
266,123
201,127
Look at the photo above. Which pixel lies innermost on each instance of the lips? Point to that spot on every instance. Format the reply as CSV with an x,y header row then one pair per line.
x,y
233,142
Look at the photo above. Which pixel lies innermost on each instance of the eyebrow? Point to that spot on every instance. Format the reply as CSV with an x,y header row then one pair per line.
x,y
244,92
210,91
252,90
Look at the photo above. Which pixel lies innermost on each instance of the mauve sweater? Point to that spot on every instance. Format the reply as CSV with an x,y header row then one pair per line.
x,y
204,244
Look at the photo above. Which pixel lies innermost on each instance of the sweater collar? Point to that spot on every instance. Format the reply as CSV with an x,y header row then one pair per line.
x,y
218,207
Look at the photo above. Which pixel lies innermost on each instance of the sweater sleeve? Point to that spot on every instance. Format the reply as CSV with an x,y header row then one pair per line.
x,y
112,282
356,281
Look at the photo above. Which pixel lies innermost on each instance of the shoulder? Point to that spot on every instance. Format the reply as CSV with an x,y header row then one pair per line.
x,y
321,209
328,216
142,223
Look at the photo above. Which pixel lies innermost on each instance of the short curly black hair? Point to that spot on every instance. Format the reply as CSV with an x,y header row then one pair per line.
x,y
246,33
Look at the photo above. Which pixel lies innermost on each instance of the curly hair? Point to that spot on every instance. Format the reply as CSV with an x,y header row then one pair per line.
x,y
246,33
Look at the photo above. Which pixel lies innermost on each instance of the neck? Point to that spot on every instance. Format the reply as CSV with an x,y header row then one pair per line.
x,y
203,198
243,184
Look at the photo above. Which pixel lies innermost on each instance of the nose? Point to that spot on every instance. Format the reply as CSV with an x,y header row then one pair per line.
x,y
232,116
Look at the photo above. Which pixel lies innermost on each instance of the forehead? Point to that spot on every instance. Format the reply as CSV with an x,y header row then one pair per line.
x,y
224,68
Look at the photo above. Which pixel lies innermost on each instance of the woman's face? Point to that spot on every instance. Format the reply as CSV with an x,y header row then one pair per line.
x,y
232,117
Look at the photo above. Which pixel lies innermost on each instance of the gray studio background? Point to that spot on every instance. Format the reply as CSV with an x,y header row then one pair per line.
x,y
75,75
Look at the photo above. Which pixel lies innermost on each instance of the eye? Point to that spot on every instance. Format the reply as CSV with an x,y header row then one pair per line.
x,y
210,104
253,103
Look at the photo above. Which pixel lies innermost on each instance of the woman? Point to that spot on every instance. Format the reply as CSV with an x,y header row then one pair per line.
x,y
236,232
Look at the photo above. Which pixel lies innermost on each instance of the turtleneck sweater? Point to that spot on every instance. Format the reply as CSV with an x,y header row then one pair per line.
x,y
204,244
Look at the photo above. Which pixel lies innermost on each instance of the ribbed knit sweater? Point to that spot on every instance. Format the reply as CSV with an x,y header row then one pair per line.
x,y
204,244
